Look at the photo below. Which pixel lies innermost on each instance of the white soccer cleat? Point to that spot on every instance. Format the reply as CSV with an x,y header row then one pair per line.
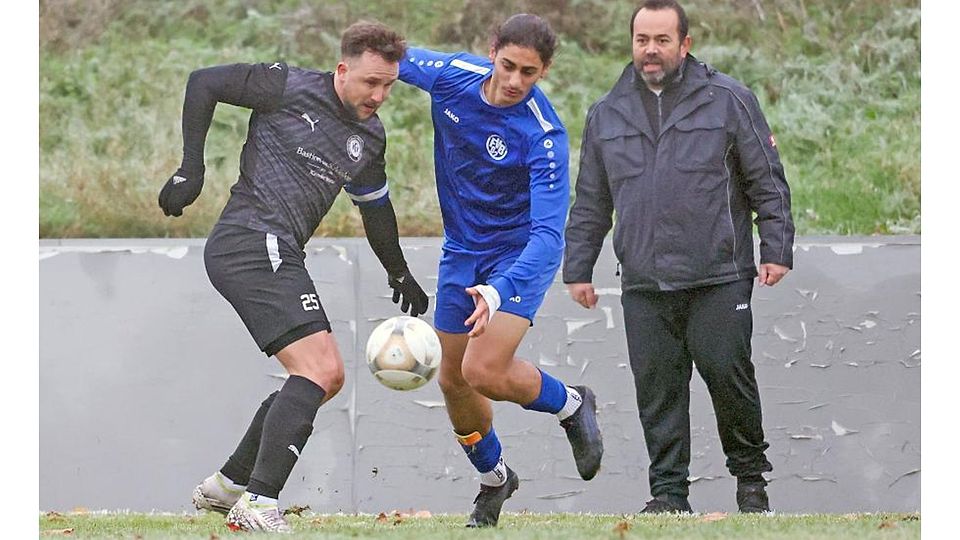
x,y
214,494
249,515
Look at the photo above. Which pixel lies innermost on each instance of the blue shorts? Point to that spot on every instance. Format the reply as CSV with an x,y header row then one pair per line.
x,y
460,270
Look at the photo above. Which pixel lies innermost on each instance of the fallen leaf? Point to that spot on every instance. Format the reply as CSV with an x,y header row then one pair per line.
x,y
423,514
213,536
57,532
296,510
381,518
714,516
888,525
622,528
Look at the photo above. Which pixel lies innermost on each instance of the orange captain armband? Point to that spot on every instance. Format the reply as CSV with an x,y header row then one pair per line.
x,y
469,440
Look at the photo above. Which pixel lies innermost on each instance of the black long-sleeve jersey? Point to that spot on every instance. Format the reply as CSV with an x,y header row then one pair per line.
x,y
302,147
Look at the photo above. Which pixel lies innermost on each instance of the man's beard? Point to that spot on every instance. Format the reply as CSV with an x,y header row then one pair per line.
x,y
660,77
352,111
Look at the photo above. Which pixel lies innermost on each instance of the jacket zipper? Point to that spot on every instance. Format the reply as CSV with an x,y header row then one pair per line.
x,y
659,113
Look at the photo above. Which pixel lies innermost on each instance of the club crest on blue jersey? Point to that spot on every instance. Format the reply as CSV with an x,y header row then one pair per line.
x,y
496,147
355,147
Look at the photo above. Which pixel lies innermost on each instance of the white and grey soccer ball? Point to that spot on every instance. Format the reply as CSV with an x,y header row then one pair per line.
x,y
403,353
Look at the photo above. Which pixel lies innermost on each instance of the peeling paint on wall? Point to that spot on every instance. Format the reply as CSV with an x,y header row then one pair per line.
x,y
132,337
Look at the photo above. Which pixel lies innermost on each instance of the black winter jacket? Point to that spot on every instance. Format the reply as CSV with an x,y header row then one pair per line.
x,y
683,198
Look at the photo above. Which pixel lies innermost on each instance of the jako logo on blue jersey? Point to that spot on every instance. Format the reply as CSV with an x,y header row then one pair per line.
x,y
496,147
451,116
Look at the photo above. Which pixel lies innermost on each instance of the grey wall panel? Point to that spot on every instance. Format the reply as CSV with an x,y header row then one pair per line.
x,y
148,378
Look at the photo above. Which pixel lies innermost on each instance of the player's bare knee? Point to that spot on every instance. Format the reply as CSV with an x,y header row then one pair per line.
x,y
482,379
333,376
453,384
324,370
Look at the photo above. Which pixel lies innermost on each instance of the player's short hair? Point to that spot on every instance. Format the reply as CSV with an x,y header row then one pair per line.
x,y
526,30
683,26
363,36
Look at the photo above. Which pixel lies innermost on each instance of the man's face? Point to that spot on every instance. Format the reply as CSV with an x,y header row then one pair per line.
x,y
657,48
515,70
364,82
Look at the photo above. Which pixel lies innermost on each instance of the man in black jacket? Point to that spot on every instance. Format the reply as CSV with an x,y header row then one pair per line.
x,y
311,134
682,154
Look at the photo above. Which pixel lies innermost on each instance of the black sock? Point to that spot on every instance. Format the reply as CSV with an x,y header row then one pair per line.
x,y
286,426
239,466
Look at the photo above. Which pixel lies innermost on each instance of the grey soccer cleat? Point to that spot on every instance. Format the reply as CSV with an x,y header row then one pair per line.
x,y
490,500
583,432
214,495
249,515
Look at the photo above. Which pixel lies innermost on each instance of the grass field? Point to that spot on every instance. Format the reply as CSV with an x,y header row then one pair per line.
x,y
514,526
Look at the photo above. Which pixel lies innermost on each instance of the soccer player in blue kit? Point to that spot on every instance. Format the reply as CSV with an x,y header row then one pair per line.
x,y
500,154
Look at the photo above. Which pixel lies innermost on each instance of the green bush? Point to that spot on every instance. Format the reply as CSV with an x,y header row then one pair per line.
x,y
839,82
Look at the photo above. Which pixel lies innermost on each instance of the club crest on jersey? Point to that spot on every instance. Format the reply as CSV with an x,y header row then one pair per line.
x,y
496,147
355,147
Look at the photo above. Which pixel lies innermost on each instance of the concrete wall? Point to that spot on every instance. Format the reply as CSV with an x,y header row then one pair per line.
x,y
148,379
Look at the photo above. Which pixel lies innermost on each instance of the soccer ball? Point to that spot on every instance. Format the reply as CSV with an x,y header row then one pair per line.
x,y
403,353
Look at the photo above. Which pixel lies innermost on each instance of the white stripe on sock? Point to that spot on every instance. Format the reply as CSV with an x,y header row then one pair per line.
x,y
497,476
573,403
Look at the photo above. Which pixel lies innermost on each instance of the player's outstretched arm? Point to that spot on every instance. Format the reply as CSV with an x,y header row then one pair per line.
x,y
255,86
380,224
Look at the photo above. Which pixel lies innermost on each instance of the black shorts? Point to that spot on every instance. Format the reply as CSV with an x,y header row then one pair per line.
x,y
266,282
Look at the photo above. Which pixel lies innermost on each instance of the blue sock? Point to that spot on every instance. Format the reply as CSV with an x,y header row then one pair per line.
x,y
484,452
553,395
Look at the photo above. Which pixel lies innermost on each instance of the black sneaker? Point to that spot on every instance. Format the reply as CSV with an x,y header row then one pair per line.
x,y
663,504
752,498
486,513
583,432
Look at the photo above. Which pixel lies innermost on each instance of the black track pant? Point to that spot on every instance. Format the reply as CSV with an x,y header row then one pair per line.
x,y
668,332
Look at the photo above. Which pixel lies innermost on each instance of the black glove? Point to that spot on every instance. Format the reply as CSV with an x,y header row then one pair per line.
x,y
180,190
414,298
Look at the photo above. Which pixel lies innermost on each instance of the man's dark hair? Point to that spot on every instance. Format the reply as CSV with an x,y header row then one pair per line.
x,y
683,26
375,37
525,30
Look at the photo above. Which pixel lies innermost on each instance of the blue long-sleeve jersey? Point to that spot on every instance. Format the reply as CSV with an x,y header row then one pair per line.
x,y
502,172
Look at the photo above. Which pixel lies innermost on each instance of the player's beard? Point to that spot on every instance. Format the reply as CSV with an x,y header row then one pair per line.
x,y
354,110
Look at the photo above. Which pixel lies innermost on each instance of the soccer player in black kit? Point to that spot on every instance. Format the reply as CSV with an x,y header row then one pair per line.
x,y
311,133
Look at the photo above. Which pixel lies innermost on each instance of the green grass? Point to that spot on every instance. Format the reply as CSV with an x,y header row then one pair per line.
x,y
514,526
839,83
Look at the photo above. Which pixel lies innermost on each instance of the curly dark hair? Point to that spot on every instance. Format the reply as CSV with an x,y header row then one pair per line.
x,y
375,37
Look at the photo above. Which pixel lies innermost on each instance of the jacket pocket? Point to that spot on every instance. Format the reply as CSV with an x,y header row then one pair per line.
x,y
700,143
621,149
